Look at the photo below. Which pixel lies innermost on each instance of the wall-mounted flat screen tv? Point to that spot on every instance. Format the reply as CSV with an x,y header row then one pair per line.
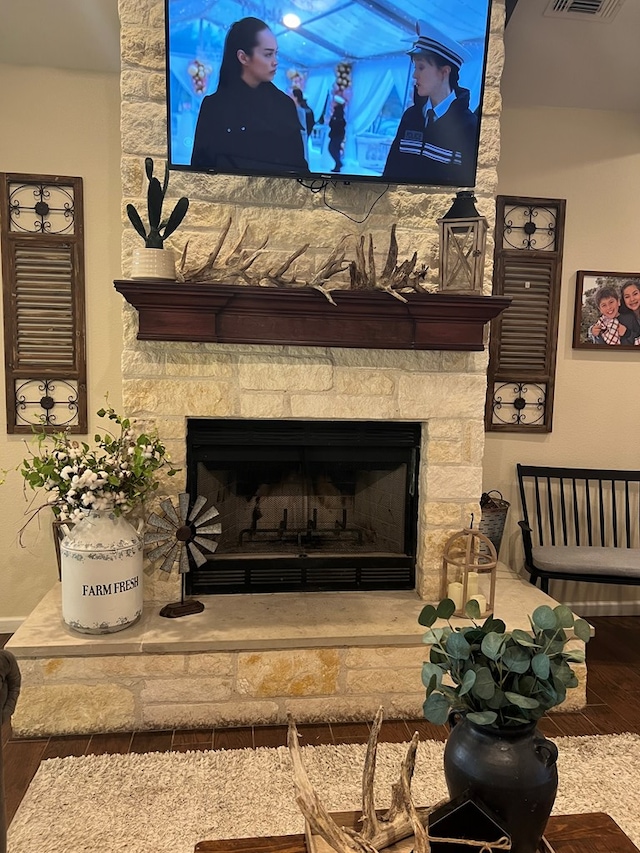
x,y
387,91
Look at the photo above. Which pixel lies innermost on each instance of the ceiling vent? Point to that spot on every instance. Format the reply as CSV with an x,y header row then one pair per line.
x,y
584,10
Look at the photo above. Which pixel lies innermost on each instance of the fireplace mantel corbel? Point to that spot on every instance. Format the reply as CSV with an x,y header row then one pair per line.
x,y
237,314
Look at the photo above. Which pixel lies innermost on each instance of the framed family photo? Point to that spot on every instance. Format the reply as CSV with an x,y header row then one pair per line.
x,y
607,311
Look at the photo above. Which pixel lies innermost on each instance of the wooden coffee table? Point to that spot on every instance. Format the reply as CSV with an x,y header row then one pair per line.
x,y
594,832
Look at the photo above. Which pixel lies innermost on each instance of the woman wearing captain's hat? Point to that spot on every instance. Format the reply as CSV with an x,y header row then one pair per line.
x,y
437,137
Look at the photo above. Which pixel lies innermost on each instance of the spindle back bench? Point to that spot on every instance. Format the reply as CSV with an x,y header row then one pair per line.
x,y
580,524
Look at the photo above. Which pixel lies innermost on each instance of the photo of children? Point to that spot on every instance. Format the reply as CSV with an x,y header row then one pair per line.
x,y
606,313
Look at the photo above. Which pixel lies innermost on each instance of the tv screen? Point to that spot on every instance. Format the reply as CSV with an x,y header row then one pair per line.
x,y
386,91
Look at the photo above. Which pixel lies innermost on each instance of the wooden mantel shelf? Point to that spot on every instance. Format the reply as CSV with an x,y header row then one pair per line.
x,y
233,314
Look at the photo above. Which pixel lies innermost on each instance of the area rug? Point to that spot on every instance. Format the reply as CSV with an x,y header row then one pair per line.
x,y
167,802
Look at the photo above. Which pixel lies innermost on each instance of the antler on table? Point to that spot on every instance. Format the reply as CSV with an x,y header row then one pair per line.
x,y
378,831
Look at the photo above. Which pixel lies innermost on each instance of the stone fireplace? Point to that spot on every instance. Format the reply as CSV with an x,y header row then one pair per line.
x,y
442,392
252,370
251,658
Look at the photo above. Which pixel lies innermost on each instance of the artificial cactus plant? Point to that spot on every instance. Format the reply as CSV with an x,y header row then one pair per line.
x,y
159,229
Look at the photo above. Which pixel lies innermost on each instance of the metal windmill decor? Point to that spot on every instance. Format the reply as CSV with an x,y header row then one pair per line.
x,y
175,535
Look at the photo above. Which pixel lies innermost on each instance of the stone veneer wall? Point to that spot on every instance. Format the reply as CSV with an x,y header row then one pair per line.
x,y
280,208
164,383
80,695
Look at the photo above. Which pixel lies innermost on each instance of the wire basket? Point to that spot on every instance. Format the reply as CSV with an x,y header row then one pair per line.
x,y
494,516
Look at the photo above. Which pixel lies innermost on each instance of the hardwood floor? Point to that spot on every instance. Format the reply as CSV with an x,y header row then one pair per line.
x,y
613,658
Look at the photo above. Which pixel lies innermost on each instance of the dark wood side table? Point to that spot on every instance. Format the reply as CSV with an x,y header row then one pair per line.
x,y
594,832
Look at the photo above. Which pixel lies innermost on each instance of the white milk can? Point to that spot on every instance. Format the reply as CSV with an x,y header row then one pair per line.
x,y
101,561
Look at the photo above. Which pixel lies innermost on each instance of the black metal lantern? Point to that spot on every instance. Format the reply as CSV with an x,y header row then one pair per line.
x,y
463,237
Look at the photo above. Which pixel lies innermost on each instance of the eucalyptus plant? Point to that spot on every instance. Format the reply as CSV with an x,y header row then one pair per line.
x,y
159,229
498,678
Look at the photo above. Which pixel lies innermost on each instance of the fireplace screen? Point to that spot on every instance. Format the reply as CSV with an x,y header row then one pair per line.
x,y
306,505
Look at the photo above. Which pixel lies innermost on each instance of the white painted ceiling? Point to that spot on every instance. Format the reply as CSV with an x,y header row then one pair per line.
x,y
549,62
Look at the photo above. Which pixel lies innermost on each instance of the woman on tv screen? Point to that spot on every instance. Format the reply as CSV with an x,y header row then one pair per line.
x,y
436,140
248,123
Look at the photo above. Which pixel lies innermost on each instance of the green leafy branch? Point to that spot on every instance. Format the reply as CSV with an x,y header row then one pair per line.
x,y
496,677
116,475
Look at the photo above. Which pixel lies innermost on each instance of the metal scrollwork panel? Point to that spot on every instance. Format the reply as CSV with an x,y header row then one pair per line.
x,y
530,228
519,404
39,208
46,402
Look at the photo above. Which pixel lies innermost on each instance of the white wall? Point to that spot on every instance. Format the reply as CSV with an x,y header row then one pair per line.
x,y
591,159
62,123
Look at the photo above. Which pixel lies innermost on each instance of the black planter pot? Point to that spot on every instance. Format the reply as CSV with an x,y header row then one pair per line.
x,y
512,771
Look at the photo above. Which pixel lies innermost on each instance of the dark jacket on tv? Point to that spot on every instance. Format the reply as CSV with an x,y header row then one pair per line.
x,y
443,153
241,128
337,131
309,118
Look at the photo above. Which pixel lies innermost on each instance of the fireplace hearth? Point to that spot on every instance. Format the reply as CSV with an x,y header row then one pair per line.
x,y
306,505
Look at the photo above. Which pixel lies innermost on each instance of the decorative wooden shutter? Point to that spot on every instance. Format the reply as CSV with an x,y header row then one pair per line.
x,y
522,354
42,235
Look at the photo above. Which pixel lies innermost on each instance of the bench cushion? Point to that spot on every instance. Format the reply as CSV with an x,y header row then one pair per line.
x,y
588,560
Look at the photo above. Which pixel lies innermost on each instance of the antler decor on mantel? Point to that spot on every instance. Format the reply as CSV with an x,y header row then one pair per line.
x,y
380,830
235,267
394,277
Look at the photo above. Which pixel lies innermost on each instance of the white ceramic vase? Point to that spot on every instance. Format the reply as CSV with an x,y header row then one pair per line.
x,y
101,561
153,263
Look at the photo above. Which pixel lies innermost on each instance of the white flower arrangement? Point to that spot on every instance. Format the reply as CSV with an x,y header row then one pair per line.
x,y
115,475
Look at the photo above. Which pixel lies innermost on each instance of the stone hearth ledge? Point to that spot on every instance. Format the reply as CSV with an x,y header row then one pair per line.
x,y
245,660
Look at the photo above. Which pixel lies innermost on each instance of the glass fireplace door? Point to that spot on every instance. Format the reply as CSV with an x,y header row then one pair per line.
x,y
306,505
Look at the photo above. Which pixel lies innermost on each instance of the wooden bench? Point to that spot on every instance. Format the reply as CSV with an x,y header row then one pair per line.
x,y
580,524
